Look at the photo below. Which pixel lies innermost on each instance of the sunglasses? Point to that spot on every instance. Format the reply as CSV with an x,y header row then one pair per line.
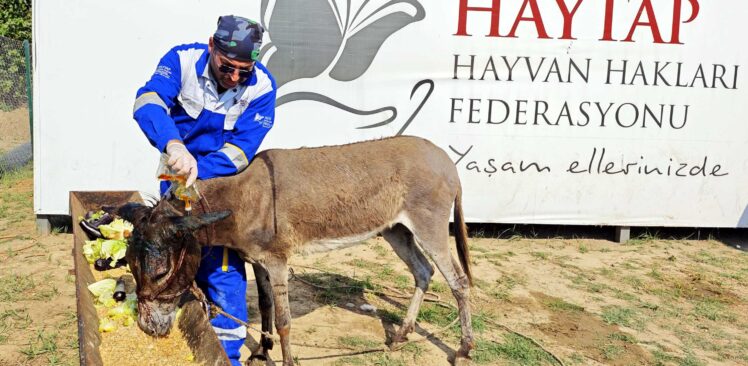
x,y
230,70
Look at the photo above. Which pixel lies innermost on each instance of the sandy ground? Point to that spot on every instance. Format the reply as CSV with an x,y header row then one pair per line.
x,y
14,128
588,302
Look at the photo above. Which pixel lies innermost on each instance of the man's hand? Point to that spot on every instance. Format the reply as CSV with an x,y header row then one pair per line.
x,y
181,161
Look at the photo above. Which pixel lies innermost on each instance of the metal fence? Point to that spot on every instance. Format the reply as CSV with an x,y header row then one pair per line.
x,y
15,111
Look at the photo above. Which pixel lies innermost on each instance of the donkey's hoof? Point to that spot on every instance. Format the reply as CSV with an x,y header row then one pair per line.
x,y
267,343
258,357
398,343
256,360
462,361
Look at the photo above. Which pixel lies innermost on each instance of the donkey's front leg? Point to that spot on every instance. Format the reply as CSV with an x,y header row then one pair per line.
x,y
265,297
278,270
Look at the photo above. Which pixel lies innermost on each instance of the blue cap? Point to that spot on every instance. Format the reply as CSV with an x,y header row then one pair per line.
x,y
238,38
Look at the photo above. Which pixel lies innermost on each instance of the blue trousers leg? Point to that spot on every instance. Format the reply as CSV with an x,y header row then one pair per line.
x,y
223,279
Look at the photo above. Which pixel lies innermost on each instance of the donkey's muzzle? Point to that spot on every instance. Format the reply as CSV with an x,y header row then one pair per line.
x,y
156,319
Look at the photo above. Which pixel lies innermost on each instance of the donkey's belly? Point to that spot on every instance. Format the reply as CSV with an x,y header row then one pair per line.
x,y
327,244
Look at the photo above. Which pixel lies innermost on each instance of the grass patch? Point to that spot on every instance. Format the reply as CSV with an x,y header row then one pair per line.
x,y
335,287
393,317
509,281
436,315
713,310
386,272
655,273
414,349
739,275
378,359
596,287
16,206
403,281
691,360
385,359
607,272
703,256
44,343
483,285
630,264
13,177
633,281
618,294
576,358
623,337
438,287
661,358
499,294
646,237
353,361
478,321
515,349
501,290
582,282
561,305
611,351
380,250
583,248
496,255
698,340
11,320
15,287
360,263
540,255
649,305
357,343
617,315
441,316
475,248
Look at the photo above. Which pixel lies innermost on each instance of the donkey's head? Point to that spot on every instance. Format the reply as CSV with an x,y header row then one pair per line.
x,y
163,255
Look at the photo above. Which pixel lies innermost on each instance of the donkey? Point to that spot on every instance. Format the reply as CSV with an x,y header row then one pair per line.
x,y
306,200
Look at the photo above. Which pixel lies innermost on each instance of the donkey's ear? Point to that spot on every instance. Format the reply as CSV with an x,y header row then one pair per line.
x,y
126,211
192,223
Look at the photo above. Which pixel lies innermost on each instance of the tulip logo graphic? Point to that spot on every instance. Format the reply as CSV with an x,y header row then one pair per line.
x,y
338,39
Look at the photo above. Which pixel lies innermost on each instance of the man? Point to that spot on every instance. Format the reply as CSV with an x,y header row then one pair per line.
x,y
209,107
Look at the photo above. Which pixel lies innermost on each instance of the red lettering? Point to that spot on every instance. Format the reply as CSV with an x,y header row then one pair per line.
x,y
608,29
675,35
645,17
462,20
568,17
536,18
651,22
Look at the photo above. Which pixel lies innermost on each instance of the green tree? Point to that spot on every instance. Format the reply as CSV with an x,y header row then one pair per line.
x,y
15,19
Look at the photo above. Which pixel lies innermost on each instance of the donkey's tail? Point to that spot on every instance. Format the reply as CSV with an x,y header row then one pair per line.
x,y
460,233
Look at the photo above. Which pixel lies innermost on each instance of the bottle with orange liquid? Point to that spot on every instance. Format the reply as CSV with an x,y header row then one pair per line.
x,y
188,195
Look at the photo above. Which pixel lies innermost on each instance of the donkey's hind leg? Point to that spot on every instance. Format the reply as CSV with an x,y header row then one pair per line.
x,y
401,240
433,237
265,300
278,270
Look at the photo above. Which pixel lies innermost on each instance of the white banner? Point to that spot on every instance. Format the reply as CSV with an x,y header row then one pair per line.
x,y
555,112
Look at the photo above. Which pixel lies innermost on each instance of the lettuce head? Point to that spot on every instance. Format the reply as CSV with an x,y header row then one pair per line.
x,y
114,249
103,291
92,250
118,229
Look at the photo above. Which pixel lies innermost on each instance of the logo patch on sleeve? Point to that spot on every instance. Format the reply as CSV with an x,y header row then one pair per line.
x,y
265,121
164,71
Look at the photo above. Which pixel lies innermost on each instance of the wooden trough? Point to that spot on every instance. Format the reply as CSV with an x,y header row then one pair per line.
x,y
193,322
